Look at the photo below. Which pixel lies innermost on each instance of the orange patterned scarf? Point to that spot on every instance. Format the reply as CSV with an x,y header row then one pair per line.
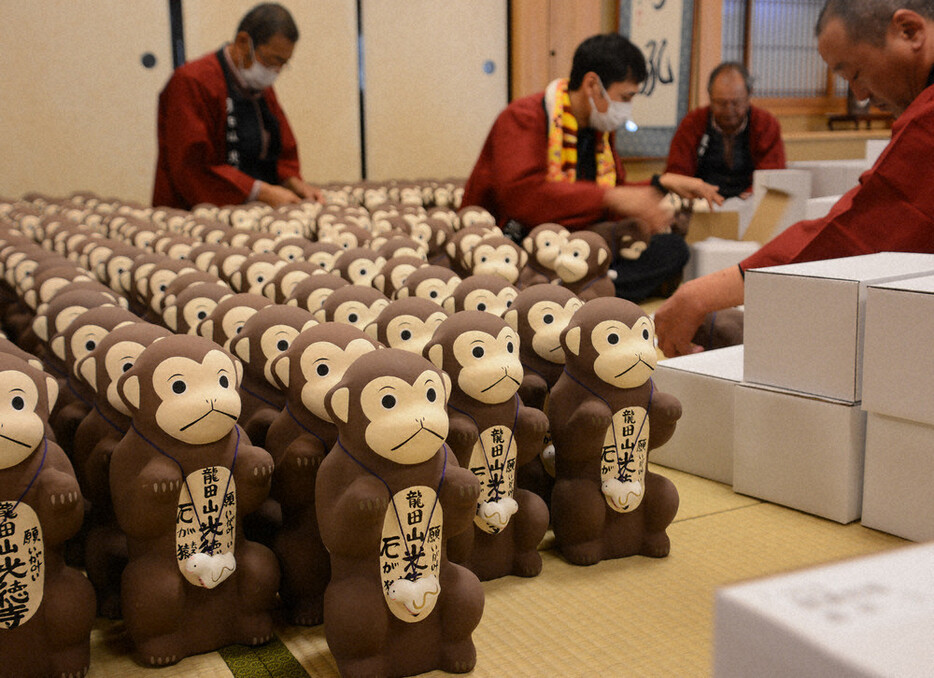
x,y
562,140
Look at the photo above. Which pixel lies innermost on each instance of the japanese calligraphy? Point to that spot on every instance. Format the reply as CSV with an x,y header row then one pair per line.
x,y
22,564
204,523
625,448
410,546
493,462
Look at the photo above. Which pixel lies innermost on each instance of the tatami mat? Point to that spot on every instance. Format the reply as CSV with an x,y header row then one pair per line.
x,y
628,617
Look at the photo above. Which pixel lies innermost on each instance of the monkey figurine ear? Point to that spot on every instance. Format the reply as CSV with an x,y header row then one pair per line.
x,y
451,250
128,389
58,346
269,290
436,356
280,370
379,282
240,347
439,237
170,317
40,325
30,296
235,279
340,403
528,244
206,328
523,258
601,257
238,370
87,368
511,316
448,304
310,323
372,330
468,258
51,386
573,340
446,378
320,315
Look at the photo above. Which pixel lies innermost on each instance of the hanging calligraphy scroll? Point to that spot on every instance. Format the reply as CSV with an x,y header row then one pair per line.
x,y
662,29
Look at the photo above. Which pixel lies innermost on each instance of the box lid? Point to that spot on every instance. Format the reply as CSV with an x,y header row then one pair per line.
x,y
866,268
721,363
923,284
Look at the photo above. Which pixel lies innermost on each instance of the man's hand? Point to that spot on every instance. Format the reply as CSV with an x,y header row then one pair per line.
x,y
276,196
304,190
677,320
640,202
691,188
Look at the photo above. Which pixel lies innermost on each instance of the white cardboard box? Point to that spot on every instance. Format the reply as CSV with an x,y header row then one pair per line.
x,y
804,322
796,184
860,618
832,177
898,482
799,451
702,443
898,357
714,254
819,207
874,148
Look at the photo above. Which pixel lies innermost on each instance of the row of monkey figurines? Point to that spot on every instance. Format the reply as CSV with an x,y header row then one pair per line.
x,y
367,471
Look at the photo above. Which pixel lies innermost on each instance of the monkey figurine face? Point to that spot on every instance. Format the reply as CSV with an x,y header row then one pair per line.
x,y
398,399
617,346
435,283
354,305
407,324
539,314
187,386
488,293
266,335
311,292
26,396
584,256
481,353
497,255
543,243
316,361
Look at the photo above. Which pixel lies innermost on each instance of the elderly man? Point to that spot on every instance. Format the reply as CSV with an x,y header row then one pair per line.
x,y
723,143
885,50
223,138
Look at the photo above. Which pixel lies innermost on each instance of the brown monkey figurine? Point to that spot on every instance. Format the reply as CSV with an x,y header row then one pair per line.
x,y
605,418
492,433
483,292
354,305
582,265
262,339
181,480
47,609
407,323
227,318
497,255
97,435
389,496
298,440
539,315
432,282
543,243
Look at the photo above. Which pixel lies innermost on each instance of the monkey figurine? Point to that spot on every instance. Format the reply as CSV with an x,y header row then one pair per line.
x,y
96,437
354,305
492,433
539,315
582,265
263,337
407,323
543,243
311,292
389,497
433,282
47,609
359,265
605,418
482,292
183,313
298,439
182,479
496,255
394,274
227,318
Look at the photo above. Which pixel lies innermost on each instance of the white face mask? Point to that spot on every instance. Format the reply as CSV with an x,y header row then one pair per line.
x,y
613,118
258,76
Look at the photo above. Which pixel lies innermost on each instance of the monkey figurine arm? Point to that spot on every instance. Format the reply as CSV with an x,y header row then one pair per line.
x,y
145,505
352,525
585,428
533,390
531,427
663,417
60,505
253,475
458,498
462,436
297,470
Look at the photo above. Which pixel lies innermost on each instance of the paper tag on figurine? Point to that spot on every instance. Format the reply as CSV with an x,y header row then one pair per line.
x,y
205,524
22,564
625,457
493,461
410,551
